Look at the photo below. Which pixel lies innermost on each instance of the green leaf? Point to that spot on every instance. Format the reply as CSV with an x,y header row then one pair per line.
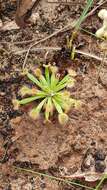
x,y
62,102
38,83
41,93
34,79
54,81
48,108
59,99
39,107
63,83
47,74
43,81
46,86
64,80
60,87
57,106
30,99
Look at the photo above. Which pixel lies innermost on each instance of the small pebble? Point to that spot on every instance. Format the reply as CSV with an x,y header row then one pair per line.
x,y
34,17
100,155
100,166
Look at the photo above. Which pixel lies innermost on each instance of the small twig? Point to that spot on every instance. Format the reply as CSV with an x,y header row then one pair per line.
x,y
94,9
91,55
3,49
59,48
37,49
62,30
18,43
71,25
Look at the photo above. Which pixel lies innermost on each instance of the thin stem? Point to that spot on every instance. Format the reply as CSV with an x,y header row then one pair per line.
x,y
101,182
54,178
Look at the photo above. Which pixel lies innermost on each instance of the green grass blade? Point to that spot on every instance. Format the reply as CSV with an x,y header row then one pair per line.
x,y
57,106
88,32
66,181
84,14
101,182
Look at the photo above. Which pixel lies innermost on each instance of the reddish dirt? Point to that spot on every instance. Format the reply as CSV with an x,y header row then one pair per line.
x,y
81,145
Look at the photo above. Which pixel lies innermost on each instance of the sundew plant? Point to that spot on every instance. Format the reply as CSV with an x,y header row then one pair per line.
x,y
50,93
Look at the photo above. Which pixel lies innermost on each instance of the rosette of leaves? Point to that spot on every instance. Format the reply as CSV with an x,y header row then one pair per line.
x,y
51,93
